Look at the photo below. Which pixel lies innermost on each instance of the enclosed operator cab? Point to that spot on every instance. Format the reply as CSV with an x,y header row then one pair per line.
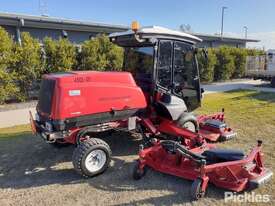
x,y
163,63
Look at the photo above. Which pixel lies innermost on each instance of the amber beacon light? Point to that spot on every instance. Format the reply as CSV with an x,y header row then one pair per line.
x,y
135,26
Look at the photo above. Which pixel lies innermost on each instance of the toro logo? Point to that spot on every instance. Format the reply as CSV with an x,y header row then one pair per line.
x,y
126,98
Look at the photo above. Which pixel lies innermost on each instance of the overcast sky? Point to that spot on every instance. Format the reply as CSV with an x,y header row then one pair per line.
x,y
204,16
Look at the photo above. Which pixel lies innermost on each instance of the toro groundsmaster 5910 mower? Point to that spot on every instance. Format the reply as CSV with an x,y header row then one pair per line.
x,y
157,91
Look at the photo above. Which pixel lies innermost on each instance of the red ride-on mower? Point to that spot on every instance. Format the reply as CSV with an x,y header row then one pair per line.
x,y
159,82
229,169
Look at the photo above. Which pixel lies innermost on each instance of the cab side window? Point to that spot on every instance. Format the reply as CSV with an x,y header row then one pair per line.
x,y
184,71
164,67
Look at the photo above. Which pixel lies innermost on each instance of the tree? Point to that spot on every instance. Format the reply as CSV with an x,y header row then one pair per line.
x,y
101,54
239,56
27,63
7,86
60,55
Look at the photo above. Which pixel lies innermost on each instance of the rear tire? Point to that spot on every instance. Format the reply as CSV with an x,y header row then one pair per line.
x,y
91,157
195,190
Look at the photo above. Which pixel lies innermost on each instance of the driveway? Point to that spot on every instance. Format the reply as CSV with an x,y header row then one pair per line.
x,y
15,117
240,84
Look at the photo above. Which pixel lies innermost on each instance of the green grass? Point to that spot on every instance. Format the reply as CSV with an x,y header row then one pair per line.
x,y
15,132
242,105
252,115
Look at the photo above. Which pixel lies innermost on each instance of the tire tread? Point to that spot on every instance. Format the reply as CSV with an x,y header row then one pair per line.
x,y
81,150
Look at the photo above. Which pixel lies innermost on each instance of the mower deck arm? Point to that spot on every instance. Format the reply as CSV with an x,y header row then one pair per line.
x,y
184,152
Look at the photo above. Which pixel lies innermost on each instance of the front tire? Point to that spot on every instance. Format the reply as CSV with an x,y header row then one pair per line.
x,y
91,157
137,172
196,191
188,121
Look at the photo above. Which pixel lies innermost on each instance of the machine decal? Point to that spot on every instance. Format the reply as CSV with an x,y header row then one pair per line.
x,y
74,93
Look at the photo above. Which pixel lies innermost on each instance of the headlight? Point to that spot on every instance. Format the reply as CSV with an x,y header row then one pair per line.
x,y
49,126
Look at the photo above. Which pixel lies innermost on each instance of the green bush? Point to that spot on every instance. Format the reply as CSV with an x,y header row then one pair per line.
x,y
7,86
27,63
239,56
22,65
206,66
59,55
225,64
100,54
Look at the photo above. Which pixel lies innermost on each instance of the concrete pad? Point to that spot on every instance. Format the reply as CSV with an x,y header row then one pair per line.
x,y
15,117
234,85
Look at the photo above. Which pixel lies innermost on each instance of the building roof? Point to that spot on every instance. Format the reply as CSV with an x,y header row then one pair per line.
x,y
57,23
227,38
47,22
157,30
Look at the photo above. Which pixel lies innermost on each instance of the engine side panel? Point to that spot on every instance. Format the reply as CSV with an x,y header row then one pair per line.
x,y
86,93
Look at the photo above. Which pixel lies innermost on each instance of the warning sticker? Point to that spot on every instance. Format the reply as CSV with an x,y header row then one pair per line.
x,y
74,92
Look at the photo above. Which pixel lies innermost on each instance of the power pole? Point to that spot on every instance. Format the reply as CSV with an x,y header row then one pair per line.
x,y
245,32
43,9
223,8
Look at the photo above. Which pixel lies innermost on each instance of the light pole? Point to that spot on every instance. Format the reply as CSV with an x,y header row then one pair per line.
x,y
245,31
223,8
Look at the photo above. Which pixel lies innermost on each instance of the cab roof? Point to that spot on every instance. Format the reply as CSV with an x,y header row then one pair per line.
x,y
156,32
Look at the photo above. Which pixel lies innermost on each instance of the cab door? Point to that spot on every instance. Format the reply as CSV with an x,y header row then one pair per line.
x,y
164,65
186,82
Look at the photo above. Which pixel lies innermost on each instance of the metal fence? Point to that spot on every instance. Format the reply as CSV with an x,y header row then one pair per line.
x,y
259,67
255,63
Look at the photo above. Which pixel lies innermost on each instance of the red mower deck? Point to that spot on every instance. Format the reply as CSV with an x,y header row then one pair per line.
x,y
228,169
